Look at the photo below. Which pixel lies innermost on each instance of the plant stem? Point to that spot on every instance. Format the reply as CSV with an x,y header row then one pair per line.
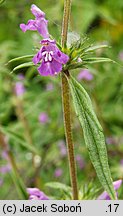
x,y
23,119
9,153
66,105
17,179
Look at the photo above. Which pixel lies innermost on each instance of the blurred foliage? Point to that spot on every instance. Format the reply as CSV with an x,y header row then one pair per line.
x,y
102,21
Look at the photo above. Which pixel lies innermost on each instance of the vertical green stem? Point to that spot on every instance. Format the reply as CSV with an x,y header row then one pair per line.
x,y
66,16
23,119
66,105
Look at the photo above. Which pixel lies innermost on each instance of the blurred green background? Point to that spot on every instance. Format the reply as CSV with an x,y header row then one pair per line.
x,y
102,22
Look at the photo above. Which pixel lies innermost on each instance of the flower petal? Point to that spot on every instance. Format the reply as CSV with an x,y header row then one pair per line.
x,y
50,68
33,191
29,26
37,57
105,196
117,184
47,42
41,26
36,194
37,12
60,56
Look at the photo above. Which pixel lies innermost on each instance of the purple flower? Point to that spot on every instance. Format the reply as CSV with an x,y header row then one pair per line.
x,y
19,88
58,173
5,155
51,58
110,140
63,149
120,55
121,162
105,196
85,75
49,87
20,76
1,182
43,118
36,194
5,169
39,24
80,161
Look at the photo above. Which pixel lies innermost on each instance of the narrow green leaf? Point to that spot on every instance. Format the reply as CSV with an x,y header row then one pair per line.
x,y
1,1
28,64
20,58
87,61
93,135
92,48
98,60
20,140
59,186
21,189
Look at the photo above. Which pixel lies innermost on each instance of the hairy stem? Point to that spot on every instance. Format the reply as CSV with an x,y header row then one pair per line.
x,y
66,16
66,105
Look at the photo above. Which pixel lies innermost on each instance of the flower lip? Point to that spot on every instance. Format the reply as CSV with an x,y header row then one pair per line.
x,y
48,56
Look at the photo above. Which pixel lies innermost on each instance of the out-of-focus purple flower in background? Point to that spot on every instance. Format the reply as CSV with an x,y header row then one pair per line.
x,y
105,196
43,118
19,88
120,56
1,182
20,76
49,87
85,75
36,194
4,155
80,161
121,162
62,147
110,140
39,24
58,172
5,169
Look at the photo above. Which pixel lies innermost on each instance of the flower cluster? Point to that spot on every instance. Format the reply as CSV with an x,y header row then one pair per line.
x,y
49,55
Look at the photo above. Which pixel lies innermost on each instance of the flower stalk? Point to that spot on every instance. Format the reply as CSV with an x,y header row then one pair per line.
x,y
66,105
